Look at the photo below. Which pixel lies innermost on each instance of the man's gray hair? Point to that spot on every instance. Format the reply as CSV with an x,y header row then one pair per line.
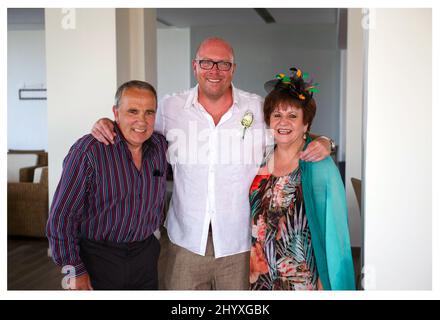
x,y
133,84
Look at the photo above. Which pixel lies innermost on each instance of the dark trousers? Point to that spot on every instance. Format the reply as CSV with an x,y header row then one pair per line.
x,y
121,266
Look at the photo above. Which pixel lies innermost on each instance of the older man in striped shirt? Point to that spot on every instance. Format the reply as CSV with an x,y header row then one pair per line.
x,y
110,200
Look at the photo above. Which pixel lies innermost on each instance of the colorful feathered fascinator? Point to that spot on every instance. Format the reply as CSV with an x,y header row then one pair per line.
x,y
296,84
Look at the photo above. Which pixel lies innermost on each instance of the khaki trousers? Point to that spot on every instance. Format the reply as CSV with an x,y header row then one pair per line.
x,y
185,270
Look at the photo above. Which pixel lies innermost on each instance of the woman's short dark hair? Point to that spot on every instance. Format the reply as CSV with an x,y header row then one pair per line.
x,y
279,97
133,84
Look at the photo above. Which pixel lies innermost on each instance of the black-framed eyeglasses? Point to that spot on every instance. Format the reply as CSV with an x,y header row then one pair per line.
x,y
209,64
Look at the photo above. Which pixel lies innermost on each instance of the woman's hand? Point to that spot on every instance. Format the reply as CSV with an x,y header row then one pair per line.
x,y
103,131
317,150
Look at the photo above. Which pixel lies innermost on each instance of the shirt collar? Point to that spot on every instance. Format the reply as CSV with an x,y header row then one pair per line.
x,y
193,98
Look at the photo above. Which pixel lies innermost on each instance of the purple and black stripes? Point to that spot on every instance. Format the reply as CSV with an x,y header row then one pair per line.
x,y
102,196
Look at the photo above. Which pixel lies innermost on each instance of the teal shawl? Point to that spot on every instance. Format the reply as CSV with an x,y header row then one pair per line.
x,y
326,210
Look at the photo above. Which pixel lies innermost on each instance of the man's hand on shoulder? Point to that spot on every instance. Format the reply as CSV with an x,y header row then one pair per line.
x,y
103,131
317,150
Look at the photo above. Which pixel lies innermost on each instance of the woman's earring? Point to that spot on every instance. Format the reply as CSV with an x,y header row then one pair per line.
x,y
305,136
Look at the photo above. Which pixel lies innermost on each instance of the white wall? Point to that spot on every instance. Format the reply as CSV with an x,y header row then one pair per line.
x,y
125,46
27,119
150,46
81,78
173,60
353,115
136,45
398,212
262,51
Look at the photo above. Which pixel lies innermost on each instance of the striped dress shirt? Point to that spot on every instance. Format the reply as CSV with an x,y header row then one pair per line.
x,y
102,196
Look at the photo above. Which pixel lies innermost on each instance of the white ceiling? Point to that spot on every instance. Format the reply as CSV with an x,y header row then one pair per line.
x,y
25,16
190,17
182,18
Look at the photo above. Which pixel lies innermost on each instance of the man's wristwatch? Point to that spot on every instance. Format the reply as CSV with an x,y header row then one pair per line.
x,y
332,143
332,146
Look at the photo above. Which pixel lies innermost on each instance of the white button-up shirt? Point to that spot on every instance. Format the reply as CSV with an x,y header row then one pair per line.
x,y
213,169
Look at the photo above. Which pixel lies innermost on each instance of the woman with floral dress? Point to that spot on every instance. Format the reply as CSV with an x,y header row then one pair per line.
x,y
300,238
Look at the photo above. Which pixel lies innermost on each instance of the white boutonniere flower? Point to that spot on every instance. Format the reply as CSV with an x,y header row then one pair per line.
x,y
247,121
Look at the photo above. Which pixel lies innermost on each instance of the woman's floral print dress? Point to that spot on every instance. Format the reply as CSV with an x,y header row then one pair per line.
x,y
281,252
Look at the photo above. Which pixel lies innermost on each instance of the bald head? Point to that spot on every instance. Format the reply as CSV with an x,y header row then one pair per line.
x,y
214,42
